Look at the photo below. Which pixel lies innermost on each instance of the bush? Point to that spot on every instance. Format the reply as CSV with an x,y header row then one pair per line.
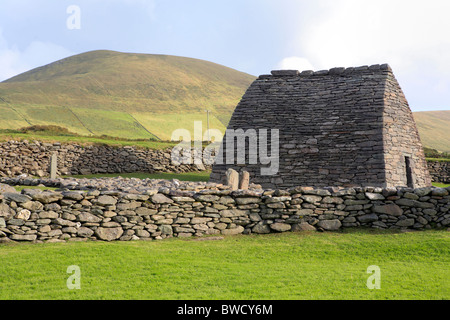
x,y
433,153
54,130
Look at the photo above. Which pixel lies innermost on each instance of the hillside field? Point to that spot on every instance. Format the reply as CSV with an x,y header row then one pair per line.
x,y
143,96
127,95
434,129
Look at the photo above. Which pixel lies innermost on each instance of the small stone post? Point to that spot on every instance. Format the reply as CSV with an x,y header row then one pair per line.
x,y
53,165
233,179
245,181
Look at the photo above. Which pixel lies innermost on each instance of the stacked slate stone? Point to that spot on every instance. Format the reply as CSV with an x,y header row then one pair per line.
x,y
439,171
33,158
73,215
339,127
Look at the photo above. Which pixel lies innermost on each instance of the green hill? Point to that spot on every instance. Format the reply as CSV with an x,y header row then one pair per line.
x,y
434,129
123,94
142,96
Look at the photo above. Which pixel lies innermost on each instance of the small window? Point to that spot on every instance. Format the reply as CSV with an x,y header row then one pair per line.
x,y
409,176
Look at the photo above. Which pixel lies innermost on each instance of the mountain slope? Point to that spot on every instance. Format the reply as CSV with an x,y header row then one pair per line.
x,y
434,129
107,92
141,96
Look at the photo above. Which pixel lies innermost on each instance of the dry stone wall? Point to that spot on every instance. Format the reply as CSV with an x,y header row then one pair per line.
x,y
401,139
33,158
439,171
79,215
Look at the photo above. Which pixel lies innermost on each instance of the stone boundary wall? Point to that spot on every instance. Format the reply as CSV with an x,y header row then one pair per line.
x,y
439,171
80,215
33,158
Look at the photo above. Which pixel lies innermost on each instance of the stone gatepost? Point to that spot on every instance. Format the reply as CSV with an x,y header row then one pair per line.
x,y
53,165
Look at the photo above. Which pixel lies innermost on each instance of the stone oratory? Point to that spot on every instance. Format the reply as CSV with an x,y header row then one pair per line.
x,y
340,127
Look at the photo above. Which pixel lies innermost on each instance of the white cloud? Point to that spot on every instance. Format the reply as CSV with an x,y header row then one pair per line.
x,y
14,61
412,36
295,63
10,62
399,32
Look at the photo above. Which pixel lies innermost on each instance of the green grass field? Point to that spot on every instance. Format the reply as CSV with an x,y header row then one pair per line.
x,y
166,124
438,159
290,266
20,188
50,137
440,185
93,122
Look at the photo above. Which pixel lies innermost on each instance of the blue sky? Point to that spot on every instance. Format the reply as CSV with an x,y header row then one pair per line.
x,y
253,36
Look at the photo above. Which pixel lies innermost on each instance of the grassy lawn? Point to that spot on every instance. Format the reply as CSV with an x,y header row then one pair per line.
x,y
439,159
440,185
289,266
188,176
20,188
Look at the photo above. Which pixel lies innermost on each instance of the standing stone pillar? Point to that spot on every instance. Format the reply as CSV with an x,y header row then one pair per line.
x,y
53,165
245,181
232,179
